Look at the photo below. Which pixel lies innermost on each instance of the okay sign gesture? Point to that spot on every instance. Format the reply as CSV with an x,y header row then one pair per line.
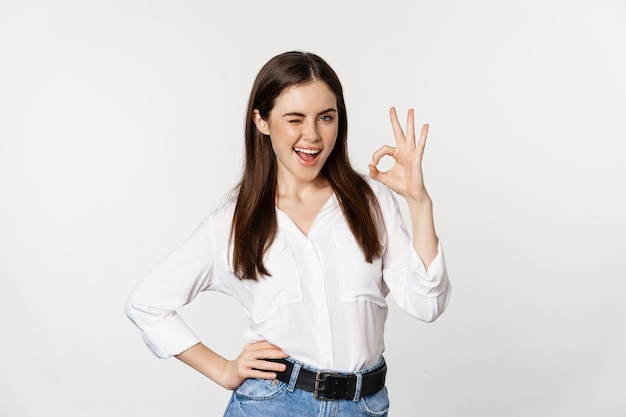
x,y
405,176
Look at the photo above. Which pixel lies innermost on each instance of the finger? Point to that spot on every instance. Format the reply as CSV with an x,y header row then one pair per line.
x,y
410,128
377,175
270,354
374,172
398,134
423,135
261,355
254,373
264,350
267,366
382,151
262,345
266,369
261,371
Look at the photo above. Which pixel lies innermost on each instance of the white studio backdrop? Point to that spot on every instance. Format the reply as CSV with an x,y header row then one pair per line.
x,y
121,127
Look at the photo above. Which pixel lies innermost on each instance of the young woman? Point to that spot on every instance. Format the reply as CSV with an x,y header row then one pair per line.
x,y
310,249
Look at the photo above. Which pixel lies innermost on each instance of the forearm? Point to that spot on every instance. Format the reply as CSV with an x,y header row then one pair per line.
x,y
423,228
251,363
205,361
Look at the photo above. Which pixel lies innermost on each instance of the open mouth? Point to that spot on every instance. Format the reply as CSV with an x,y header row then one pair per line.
x,y
307,155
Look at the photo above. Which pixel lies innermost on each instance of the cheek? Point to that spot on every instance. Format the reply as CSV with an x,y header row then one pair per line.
x,y
282,132
282,140
331,133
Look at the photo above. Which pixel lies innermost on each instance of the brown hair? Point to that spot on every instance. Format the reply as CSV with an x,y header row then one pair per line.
x,y
254,222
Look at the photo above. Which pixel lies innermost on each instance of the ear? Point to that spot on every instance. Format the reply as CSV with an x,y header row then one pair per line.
x,y
261,124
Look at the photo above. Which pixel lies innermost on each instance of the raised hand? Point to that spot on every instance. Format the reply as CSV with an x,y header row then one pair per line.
x,y
405,176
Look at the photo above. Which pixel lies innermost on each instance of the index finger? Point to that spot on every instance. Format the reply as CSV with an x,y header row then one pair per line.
x,y
261,345
398,133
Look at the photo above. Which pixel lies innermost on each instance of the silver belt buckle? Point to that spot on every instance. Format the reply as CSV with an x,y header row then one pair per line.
x,y
318,379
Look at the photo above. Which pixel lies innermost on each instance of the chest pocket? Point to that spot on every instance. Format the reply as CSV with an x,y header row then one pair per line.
x,y
268,294
359,280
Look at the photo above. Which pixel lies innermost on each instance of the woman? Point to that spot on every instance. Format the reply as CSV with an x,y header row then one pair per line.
x,y
310,249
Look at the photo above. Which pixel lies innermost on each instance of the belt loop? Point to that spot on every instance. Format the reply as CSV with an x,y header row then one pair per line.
x,y
359,385
294,376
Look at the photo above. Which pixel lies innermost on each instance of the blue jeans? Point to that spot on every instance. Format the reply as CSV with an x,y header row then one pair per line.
x,y
273,398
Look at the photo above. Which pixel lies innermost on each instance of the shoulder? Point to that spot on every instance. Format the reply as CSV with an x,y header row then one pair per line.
x,y
222,216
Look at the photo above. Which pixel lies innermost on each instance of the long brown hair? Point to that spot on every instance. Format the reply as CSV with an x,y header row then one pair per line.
x,y
254,222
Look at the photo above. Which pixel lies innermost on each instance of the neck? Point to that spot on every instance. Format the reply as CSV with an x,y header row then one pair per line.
x,y
301,190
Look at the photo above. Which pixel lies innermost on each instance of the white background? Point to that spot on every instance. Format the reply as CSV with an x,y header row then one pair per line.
x,y
121,127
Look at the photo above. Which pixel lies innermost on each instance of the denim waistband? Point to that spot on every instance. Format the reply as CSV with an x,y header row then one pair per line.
x,y
314,369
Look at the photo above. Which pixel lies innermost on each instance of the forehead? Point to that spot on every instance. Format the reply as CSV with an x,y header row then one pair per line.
x,y
312,96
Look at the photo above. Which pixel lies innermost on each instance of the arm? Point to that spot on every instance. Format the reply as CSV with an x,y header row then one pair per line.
x,y
423,293
173,283
230,374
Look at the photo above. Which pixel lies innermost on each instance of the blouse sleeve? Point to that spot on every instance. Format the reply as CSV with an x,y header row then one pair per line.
x,y
422,293
172,283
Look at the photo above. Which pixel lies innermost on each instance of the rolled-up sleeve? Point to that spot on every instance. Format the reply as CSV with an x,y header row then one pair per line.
x,y
422,293
427,291
172,283
431,282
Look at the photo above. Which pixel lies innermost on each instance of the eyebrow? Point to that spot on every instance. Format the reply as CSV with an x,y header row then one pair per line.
x,y
331,109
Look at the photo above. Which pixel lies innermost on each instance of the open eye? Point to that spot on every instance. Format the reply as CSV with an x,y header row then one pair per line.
x,y
326,118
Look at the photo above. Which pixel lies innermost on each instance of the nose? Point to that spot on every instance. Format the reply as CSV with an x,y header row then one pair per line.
x,y
310,130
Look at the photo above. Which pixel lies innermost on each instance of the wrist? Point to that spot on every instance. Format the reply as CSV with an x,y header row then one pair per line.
x,y
419,202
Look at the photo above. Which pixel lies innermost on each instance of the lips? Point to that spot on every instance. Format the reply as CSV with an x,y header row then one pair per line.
x,y
307,156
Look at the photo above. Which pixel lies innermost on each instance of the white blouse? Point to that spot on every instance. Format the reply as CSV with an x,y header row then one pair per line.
x,y
323,304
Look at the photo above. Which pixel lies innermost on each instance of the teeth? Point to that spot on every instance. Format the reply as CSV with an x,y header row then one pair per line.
x,y
308,151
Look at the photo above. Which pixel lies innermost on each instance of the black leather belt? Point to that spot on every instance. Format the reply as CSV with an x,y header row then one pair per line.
x,y
331,385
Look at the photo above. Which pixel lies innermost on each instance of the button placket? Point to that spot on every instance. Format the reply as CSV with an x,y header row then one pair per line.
x,y
321,303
